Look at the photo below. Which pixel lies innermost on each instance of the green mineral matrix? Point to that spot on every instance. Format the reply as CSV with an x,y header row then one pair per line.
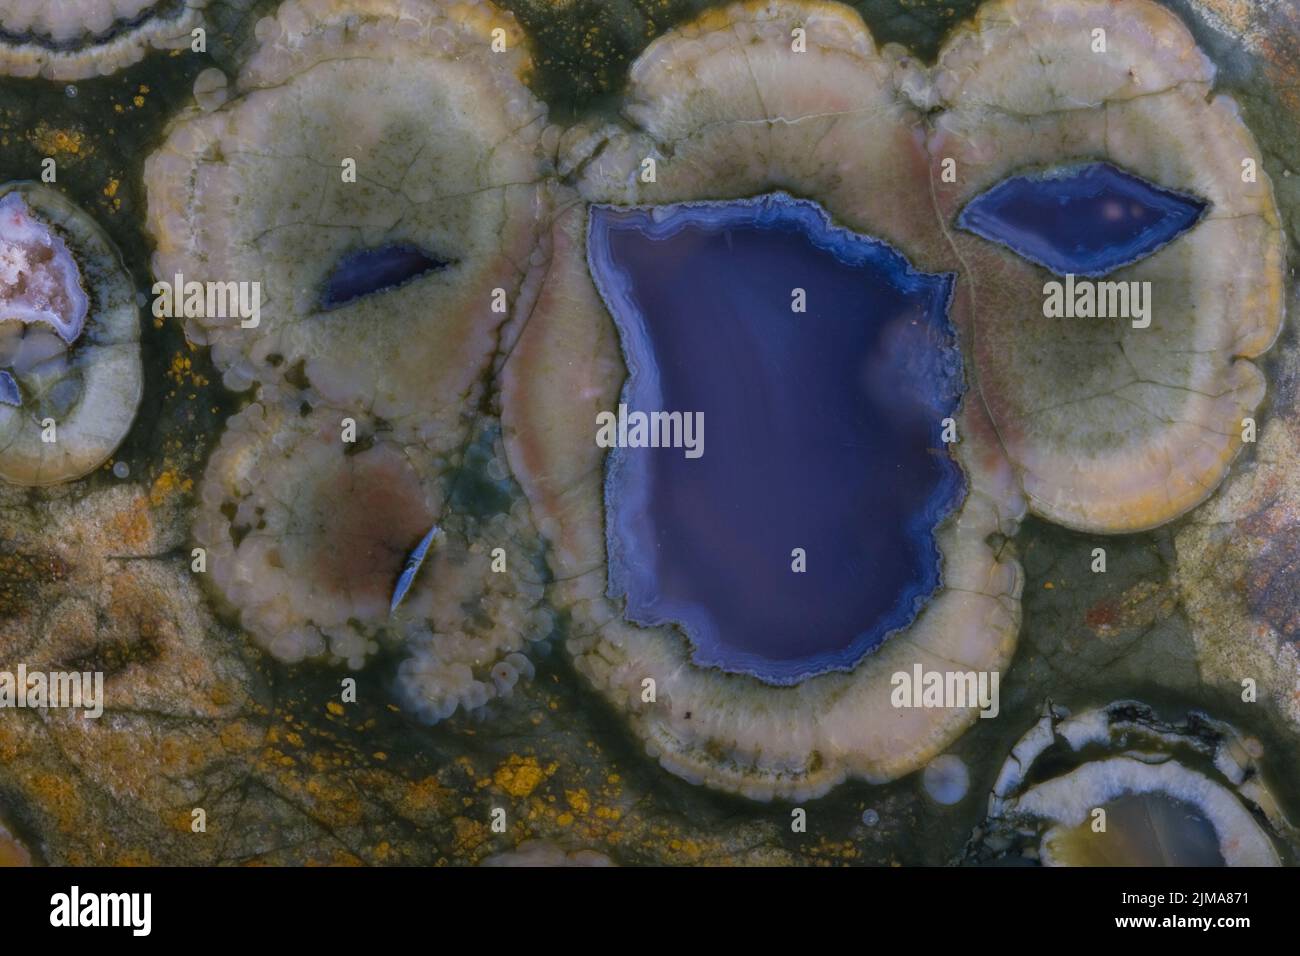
x,y
635,421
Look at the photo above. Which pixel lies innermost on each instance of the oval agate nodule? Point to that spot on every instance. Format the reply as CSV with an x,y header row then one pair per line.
x,y
728,113
800,533
1087,219
70,372
1186,793
366,271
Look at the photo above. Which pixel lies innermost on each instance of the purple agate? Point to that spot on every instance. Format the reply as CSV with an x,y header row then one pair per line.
x,y
1084,219
823,431
378,269
9,393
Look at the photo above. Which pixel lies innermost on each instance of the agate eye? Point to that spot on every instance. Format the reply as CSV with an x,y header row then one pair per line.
x,y
1087,220
377,269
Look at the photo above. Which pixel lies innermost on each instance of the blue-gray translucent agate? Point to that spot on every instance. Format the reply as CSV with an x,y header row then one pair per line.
x,y
822,431
1086,219
413,562
9,393
367,271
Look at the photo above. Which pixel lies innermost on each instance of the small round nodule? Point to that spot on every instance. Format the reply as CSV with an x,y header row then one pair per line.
x,y
75,349
211,89
870,817
946,779
121,469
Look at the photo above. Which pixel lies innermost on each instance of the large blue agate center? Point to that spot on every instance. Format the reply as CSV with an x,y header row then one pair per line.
x,y
818,367
1086,219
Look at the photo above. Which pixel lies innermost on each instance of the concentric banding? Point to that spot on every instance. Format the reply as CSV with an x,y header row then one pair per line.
x,y
77,406
727,109
1065,793
1111,427
306,534
451,164
78,39
1070,799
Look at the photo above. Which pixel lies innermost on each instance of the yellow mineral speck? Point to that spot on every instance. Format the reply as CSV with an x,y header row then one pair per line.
x,y
55,142
238,736
335,708
692,850
167,484
469,835
520,776
111,189
1048,585
564,819
578,800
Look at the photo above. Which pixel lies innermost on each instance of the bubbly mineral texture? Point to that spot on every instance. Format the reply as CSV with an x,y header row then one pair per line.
x,y
726,110
70,373
1113,422
180,693
39,278
1114,416
1087,219
76,39
1185,794
411,259
759,542
1238,567
471,624
305,537
378,172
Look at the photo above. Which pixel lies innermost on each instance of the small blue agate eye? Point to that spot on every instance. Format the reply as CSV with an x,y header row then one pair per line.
x,y
376,269
9,393
1083,220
